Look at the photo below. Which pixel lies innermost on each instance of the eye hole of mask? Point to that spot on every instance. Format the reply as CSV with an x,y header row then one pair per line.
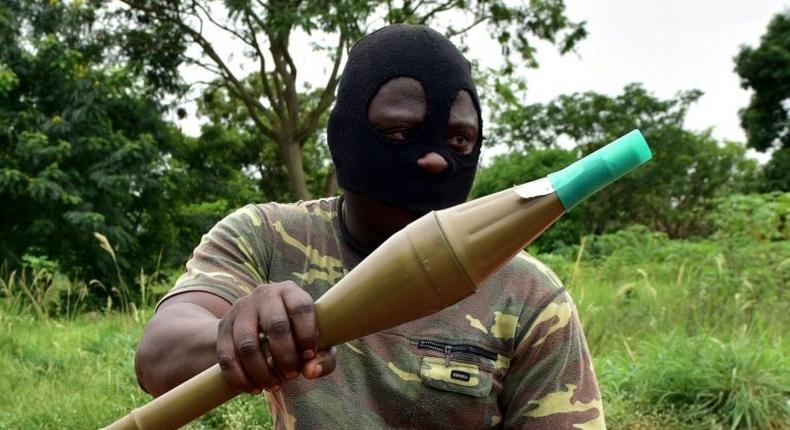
x,y
398,107
463,127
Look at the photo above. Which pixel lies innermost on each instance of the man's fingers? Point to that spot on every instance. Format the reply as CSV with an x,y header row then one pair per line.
x,y
323,364
276,325
251,355
301,311
229,361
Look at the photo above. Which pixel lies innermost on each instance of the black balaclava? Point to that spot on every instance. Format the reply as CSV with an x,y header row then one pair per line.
x,y
385,169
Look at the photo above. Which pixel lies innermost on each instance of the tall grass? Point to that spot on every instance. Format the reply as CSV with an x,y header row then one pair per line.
x,y
41,292
79,374
40,289
67,364
129,301
699,382
685,334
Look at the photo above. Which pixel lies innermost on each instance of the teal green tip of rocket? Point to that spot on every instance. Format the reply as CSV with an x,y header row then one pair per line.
x,y
587,176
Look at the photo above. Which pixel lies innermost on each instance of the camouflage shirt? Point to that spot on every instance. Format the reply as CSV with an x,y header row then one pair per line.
x,y
512,355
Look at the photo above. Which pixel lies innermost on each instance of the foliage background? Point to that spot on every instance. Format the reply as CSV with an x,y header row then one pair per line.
x,y
679,271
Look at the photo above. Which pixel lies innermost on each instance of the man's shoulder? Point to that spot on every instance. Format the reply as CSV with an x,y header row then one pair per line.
x,y
272,213
524,286
524,270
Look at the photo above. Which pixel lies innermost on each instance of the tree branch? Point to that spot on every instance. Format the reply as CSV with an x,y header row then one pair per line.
x,y
278,95
289,61
253,105
441,8
267,90
454,33
205,66
216,23
278,47
265,130
192,84
327,96
264,5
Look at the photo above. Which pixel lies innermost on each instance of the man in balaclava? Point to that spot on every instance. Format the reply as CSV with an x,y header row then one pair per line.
x,y
405,135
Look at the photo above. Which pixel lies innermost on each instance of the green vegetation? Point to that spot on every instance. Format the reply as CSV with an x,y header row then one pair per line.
x,y
85,149
766,70
685,334
671,193
79,373
766,120
82,147
690,334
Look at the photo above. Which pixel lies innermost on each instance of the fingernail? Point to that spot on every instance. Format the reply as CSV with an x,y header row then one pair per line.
x,y
275,389
319,369
308,355
291,375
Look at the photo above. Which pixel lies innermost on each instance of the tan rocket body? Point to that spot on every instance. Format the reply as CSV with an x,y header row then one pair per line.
x,y
434,262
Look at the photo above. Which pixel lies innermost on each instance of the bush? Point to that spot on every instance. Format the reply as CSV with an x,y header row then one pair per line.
x,y
700,382
753,217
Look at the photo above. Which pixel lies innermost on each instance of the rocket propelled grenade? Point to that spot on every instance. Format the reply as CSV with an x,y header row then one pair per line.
x,y
433,263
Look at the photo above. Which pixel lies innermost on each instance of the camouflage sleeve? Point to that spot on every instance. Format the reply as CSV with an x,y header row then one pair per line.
x,y
232,258
551,382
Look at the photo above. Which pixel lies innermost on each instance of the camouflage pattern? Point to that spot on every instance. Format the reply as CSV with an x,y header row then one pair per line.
x,y
513,355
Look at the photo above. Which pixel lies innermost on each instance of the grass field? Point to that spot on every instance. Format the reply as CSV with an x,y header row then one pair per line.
x,y
685,335
79,374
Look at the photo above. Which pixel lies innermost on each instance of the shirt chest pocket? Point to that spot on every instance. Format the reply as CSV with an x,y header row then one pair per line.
x,y
455,376
456,389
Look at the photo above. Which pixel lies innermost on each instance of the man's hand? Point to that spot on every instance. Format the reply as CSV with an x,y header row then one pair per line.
x,y
196,329
285,314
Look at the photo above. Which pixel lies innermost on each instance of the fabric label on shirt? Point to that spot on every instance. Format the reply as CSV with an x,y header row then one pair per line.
x,y
460,375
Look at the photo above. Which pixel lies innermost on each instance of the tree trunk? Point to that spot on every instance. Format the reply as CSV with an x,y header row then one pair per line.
x,y
292,156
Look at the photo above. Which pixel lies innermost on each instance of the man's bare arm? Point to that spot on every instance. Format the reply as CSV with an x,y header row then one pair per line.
x,y
179,341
